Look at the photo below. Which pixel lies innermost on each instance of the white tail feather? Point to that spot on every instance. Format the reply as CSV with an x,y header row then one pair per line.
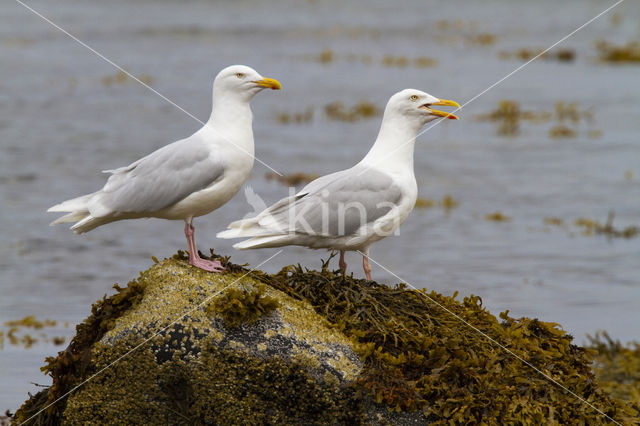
x,y
262,242
89,223
73,205
71,217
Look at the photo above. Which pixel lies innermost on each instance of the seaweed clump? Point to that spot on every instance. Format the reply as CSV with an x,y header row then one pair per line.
x,y
590,226
525,54
617,368
13,337
628,53
362,110
447,203
243,306
419,356
497,216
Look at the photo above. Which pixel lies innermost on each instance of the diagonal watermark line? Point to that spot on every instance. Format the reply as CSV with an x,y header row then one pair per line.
x,y
109,61
147,340
500,81
492,340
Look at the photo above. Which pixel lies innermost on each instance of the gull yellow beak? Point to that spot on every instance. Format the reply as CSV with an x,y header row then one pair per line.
x,y
444,102
269,83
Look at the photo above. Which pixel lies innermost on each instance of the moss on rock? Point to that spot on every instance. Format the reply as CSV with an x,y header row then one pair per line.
x,y
311,347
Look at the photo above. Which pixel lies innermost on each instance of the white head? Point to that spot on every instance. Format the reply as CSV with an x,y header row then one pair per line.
x,y
416,105
242,81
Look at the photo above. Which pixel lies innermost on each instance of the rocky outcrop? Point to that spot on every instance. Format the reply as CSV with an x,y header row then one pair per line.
x,y
182,346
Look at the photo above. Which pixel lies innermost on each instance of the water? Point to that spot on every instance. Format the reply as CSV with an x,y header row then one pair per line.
x,y
61,124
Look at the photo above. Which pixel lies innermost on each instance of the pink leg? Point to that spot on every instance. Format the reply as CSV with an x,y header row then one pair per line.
x,y
365,264
342,263
194,258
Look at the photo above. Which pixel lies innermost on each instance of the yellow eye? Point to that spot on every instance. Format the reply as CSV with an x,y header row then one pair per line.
x,y
239,75
414,97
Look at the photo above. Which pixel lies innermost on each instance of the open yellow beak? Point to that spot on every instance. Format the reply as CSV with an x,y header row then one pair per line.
x,y
269,83
444,102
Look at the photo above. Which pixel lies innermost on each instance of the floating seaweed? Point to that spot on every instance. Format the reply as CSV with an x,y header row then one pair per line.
x,y
292,179
361,110
591,226
562,131
16,336
296,117
482,39
555,221
122,78
497,217
424,203
509,115
446,203
570,111
328,56
628,53
525,54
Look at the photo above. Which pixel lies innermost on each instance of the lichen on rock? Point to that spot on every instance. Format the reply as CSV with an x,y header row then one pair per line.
x,y
311,347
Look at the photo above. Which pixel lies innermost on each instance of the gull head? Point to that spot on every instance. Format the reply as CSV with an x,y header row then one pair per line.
x,y
418,105
243,81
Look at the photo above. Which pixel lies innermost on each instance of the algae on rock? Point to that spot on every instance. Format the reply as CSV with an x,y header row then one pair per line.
x,y
312,347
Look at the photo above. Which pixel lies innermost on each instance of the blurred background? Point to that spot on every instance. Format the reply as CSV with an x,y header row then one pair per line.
x,y
531,201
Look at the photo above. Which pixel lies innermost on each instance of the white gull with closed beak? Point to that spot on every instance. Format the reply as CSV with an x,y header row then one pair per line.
x,y
187,178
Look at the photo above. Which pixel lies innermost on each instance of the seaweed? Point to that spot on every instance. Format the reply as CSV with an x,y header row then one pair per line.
x,y
361,110
328,56
13,337
556,221
561,131
296,117
242,306
122,77
617,368
418,356
627,53
591,226
447,203
508,115
497,217
526,54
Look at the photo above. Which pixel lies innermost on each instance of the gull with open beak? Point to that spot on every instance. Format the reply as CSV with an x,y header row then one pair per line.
x,y
187,178
353,208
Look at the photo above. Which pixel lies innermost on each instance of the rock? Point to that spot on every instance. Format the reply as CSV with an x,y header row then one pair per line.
x,y
220,349
182,346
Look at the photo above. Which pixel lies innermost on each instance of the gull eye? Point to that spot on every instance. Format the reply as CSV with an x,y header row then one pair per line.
x,y
239,75
414,98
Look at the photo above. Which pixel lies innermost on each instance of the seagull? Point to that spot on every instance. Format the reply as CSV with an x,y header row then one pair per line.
x,y
351,209
187,178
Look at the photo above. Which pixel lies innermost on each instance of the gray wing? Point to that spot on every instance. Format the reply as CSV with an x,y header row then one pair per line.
x,y
337,204
162,178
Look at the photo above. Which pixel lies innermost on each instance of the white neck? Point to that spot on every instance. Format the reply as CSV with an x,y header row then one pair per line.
x,y
231,110
393,149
